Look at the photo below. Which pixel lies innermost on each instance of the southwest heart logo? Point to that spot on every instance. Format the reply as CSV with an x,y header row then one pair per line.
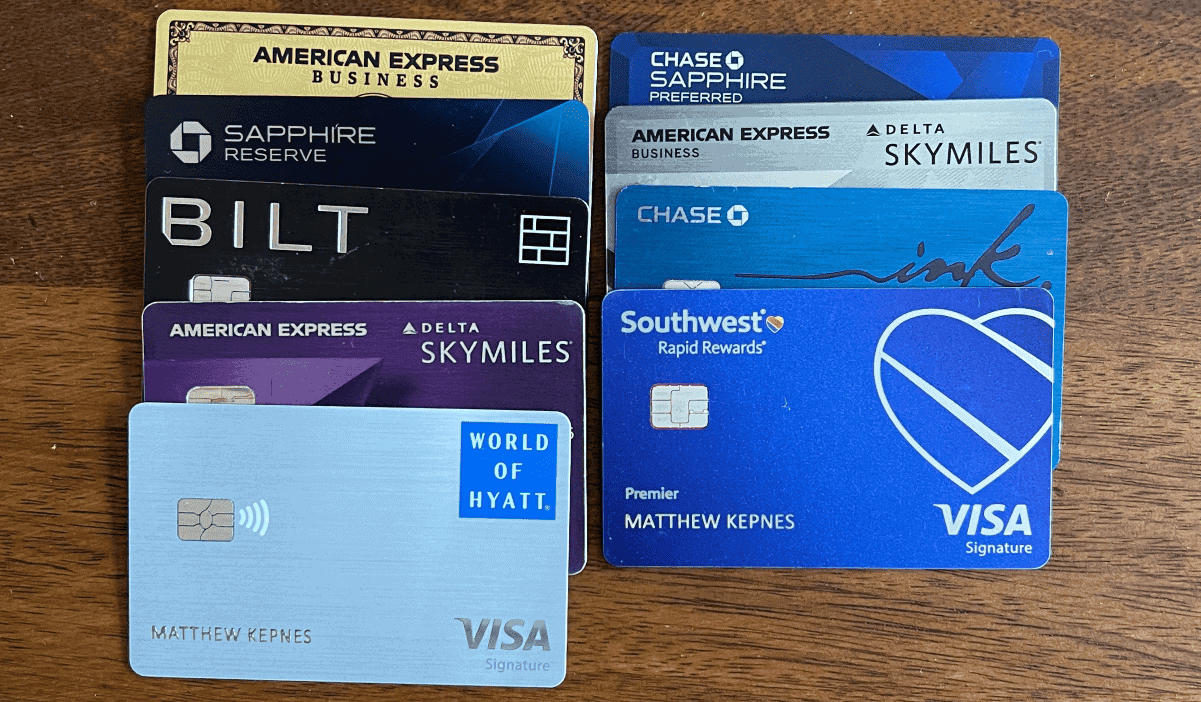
x,y
1009,454
775,323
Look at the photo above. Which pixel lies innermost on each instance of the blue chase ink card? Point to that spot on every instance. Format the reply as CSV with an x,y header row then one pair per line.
x,y
839,238
348,544
515,147
667,69
841,428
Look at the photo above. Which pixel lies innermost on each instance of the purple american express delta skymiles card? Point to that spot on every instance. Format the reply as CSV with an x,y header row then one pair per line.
x,y
519,355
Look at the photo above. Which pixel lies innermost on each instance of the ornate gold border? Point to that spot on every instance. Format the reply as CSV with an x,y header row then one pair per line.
x,y
181,31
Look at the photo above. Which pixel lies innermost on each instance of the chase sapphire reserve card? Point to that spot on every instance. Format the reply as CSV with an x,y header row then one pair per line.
x,y
519,147
838,238
664,69
518,355
842,428
348,544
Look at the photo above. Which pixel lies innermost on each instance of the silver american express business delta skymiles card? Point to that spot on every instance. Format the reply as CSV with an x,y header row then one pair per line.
x,y
955,144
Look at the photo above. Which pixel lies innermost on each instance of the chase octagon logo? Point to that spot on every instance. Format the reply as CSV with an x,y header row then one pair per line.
x,y
204,142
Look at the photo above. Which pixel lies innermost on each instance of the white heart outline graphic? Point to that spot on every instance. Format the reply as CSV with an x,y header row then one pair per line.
x,y
1013,455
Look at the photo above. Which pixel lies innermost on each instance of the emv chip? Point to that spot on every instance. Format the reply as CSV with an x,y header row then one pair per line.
x,y
206,520
219,288
676,284
679,406
220,395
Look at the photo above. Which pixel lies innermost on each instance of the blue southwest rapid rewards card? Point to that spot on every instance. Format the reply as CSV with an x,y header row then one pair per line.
x,y
666,69
688,237
844,428
348,544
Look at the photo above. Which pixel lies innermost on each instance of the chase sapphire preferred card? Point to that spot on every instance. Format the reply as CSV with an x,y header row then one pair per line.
x,y
348,544
518,355
661,69
840,238
517,147
842,428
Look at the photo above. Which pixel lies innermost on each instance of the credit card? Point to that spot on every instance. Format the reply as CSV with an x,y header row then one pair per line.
x,y
839,428
490,355
847,237
201,52
521,147
976,144
664,69
223,240
348,544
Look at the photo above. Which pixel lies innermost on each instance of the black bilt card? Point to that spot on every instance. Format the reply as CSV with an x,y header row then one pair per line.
x,y
221,240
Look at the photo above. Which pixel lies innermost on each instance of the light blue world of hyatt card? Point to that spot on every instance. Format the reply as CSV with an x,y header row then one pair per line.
x,y
348,544
850,237
840,428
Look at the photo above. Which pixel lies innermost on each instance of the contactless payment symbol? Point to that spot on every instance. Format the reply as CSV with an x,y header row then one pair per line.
x,y
204,519
204,142
256,517
972,401
679,406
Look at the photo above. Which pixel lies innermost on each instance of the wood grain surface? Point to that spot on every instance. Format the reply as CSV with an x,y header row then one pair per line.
x,y
1114,615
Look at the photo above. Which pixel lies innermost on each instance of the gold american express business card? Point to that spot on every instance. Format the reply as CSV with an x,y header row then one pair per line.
x,y
251,53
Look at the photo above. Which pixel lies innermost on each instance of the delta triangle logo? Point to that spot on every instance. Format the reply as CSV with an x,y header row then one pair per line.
x,y
409,329
872,131
1009,454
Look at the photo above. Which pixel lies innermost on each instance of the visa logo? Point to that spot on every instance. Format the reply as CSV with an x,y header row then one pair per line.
x,y
537,635
1018,520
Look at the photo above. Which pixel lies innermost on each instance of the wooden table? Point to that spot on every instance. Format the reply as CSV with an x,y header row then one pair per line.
x,y
1112,616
